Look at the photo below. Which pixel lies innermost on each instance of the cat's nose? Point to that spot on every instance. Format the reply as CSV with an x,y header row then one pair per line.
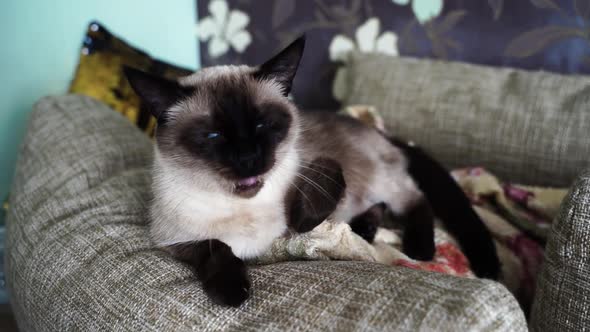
x,y
248,161
248,164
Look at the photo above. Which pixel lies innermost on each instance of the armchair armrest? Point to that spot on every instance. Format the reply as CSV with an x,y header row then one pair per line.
x,y
562,300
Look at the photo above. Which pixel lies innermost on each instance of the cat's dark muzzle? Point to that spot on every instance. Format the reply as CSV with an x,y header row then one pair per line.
x,y
248,171
250,164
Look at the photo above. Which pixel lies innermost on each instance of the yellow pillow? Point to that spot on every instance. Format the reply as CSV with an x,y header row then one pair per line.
x,y
99,74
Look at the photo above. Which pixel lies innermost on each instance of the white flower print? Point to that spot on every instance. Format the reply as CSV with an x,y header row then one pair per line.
x,y
224,28
424,10
367,40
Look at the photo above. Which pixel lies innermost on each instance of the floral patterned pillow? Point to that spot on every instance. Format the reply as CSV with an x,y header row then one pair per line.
x,y
531,34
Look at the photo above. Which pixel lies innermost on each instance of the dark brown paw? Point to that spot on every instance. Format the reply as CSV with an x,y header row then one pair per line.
x,y
228,289
367,223
223,275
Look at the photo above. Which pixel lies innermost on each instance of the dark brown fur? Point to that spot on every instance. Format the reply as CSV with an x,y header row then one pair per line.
x,y
307,205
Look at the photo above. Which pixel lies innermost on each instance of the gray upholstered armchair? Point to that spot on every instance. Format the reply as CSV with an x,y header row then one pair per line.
x,y
78,255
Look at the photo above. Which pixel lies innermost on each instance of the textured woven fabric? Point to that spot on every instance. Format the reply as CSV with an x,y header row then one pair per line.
x,y
79,258
525,127
562,302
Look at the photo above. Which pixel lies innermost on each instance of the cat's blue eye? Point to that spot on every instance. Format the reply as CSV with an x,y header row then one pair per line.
x,y
212,135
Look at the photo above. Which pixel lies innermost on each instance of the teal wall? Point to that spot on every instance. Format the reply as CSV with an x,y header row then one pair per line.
x,y
40,41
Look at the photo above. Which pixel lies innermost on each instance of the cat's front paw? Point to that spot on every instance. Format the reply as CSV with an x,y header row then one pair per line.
x,y
228,289
223,275
366,224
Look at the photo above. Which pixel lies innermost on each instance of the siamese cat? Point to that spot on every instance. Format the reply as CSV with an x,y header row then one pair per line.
x,y
237,165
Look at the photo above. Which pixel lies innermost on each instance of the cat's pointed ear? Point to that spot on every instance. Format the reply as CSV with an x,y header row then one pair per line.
x,y
159,94
283,66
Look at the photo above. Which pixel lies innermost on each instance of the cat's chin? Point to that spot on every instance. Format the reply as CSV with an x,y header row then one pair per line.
x,y
248,187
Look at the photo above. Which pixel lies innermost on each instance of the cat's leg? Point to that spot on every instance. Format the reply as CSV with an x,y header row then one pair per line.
x,y
408,202
418,236
367,223
223,275
314,194
453,208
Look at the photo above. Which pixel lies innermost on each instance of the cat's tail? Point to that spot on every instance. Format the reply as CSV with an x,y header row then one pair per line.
x,y
450,204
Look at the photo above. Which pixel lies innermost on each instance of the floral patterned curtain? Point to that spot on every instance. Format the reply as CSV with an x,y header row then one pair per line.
x,y
548,35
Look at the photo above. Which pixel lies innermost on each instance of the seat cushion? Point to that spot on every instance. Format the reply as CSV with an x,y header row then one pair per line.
x,y
525,127
79,257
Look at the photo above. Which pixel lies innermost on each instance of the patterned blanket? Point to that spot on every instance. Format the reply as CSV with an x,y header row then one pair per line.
x,y
519,218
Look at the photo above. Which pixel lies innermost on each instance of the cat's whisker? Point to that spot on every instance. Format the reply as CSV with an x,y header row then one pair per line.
x,y
350,173
282,167
304,196
298,189
320,173
315,185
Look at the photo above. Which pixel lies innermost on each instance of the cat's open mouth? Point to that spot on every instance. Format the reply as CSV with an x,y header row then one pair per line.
x,y
249,186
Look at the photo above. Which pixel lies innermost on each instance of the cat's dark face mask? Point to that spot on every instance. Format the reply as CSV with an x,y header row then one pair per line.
x,y
239,140
230,121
